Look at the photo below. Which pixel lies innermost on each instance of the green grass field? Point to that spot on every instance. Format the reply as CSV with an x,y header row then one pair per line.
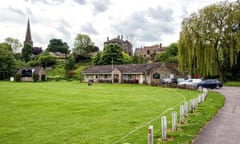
x,y
72,112
232,83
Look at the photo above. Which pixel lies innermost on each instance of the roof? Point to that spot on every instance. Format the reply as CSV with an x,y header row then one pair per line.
x,y
127,68
36,69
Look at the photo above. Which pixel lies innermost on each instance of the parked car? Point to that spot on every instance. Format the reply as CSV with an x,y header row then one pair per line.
x,y
190,82
210,83
169,81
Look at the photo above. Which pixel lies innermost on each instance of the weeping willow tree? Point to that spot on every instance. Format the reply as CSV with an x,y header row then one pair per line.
x,y
210,37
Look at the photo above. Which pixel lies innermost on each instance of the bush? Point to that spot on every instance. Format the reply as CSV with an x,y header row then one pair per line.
x,y
35,77
18,77
70,74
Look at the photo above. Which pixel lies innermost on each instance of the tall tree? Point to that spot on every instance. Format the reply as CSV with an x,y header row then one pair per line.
x,y
112,54
169,55
207,39
14,43
7,60
27,52
83,47
57,45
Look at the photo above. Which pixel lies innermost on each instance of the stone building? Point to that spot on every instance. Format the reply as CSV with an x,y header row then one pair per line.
x,y
149,52
27,73
124,44
131,73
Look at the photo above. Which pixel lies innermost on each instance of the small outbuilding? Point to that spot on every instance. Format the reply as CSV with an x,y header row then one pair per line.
x,y
27,73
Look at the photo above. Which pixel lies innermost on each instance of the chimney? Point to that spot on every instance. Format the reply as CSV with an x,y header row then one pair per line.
x,y
107,38
122,37
160,46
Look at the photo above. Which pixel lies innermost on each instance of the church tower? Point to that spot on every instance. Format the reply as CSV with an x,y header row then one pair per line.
x,y
28,37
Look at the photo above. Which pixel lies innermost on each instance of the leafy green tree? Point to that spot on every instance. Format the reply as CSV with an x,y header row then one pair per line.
x,y
57,45
7,60
126,58
70,63
97,59
208,38
5,46
112,54
83,47
14,43
46,60
27,52
169,55
162,57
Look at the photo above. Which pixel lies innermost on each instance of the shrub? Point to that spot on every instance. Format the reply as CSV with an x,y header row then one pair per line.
x,y
18,77
70,74
35,77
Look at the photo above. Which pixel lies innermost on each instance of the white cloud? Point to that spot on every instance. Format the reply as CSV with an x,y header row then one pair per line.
x,y
144,22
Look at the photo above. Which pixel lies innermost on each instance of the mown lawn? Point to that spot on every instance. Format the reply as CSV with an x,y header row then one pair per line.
x,y
72,112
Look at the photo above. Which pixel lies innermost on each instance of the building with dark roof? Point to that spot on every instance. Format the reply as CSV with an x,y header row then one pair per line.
x,y
27,73
131,73
124,44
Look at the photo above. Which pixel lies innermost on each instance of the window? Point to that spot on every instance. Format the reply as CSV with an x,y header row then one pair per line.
x,y
129,76
105,76
148,52
96,76
156,76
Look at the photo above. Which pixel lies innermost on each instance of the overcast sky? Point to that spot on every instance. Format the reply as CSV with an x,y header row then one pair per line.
x,y
143,22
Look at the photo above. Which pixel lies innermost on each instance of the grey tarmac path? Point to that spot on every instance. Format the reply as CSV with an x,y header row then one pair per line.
x,y
224,128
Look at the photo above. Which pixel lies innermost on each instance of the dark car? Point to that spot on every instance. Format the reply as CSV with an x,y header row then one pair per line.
x,y
210,83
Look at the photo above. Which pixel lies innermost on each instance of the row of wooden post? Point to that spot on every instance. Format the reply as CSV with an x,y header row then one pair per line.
x,y
183,113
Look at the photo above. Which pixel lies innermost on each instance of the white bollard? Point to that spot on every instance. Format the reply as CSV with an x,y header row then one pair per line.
x,y
164,128
202,97
185,108
181,114
174,121
150,135
196,102
199,98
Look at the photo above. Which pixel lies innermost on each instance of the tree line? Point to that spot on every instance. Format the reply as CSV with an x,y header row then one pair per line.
x,y
14,55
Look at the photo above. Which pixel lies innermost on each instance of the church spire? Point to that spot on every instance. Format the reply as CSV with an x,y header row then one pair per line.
x,y
28,37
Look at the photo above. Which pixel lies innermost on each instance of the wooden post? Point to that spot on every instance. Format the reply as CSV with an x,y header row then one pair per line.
x,y
164,128
174,121
191,105
181,114
150,135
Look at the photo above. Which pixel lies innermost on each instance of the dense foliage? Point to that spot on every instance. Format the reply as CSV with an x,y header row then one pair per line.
x,y
169,55
83,48
27,52
14,43
112,54
8,62
210,38
57,45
